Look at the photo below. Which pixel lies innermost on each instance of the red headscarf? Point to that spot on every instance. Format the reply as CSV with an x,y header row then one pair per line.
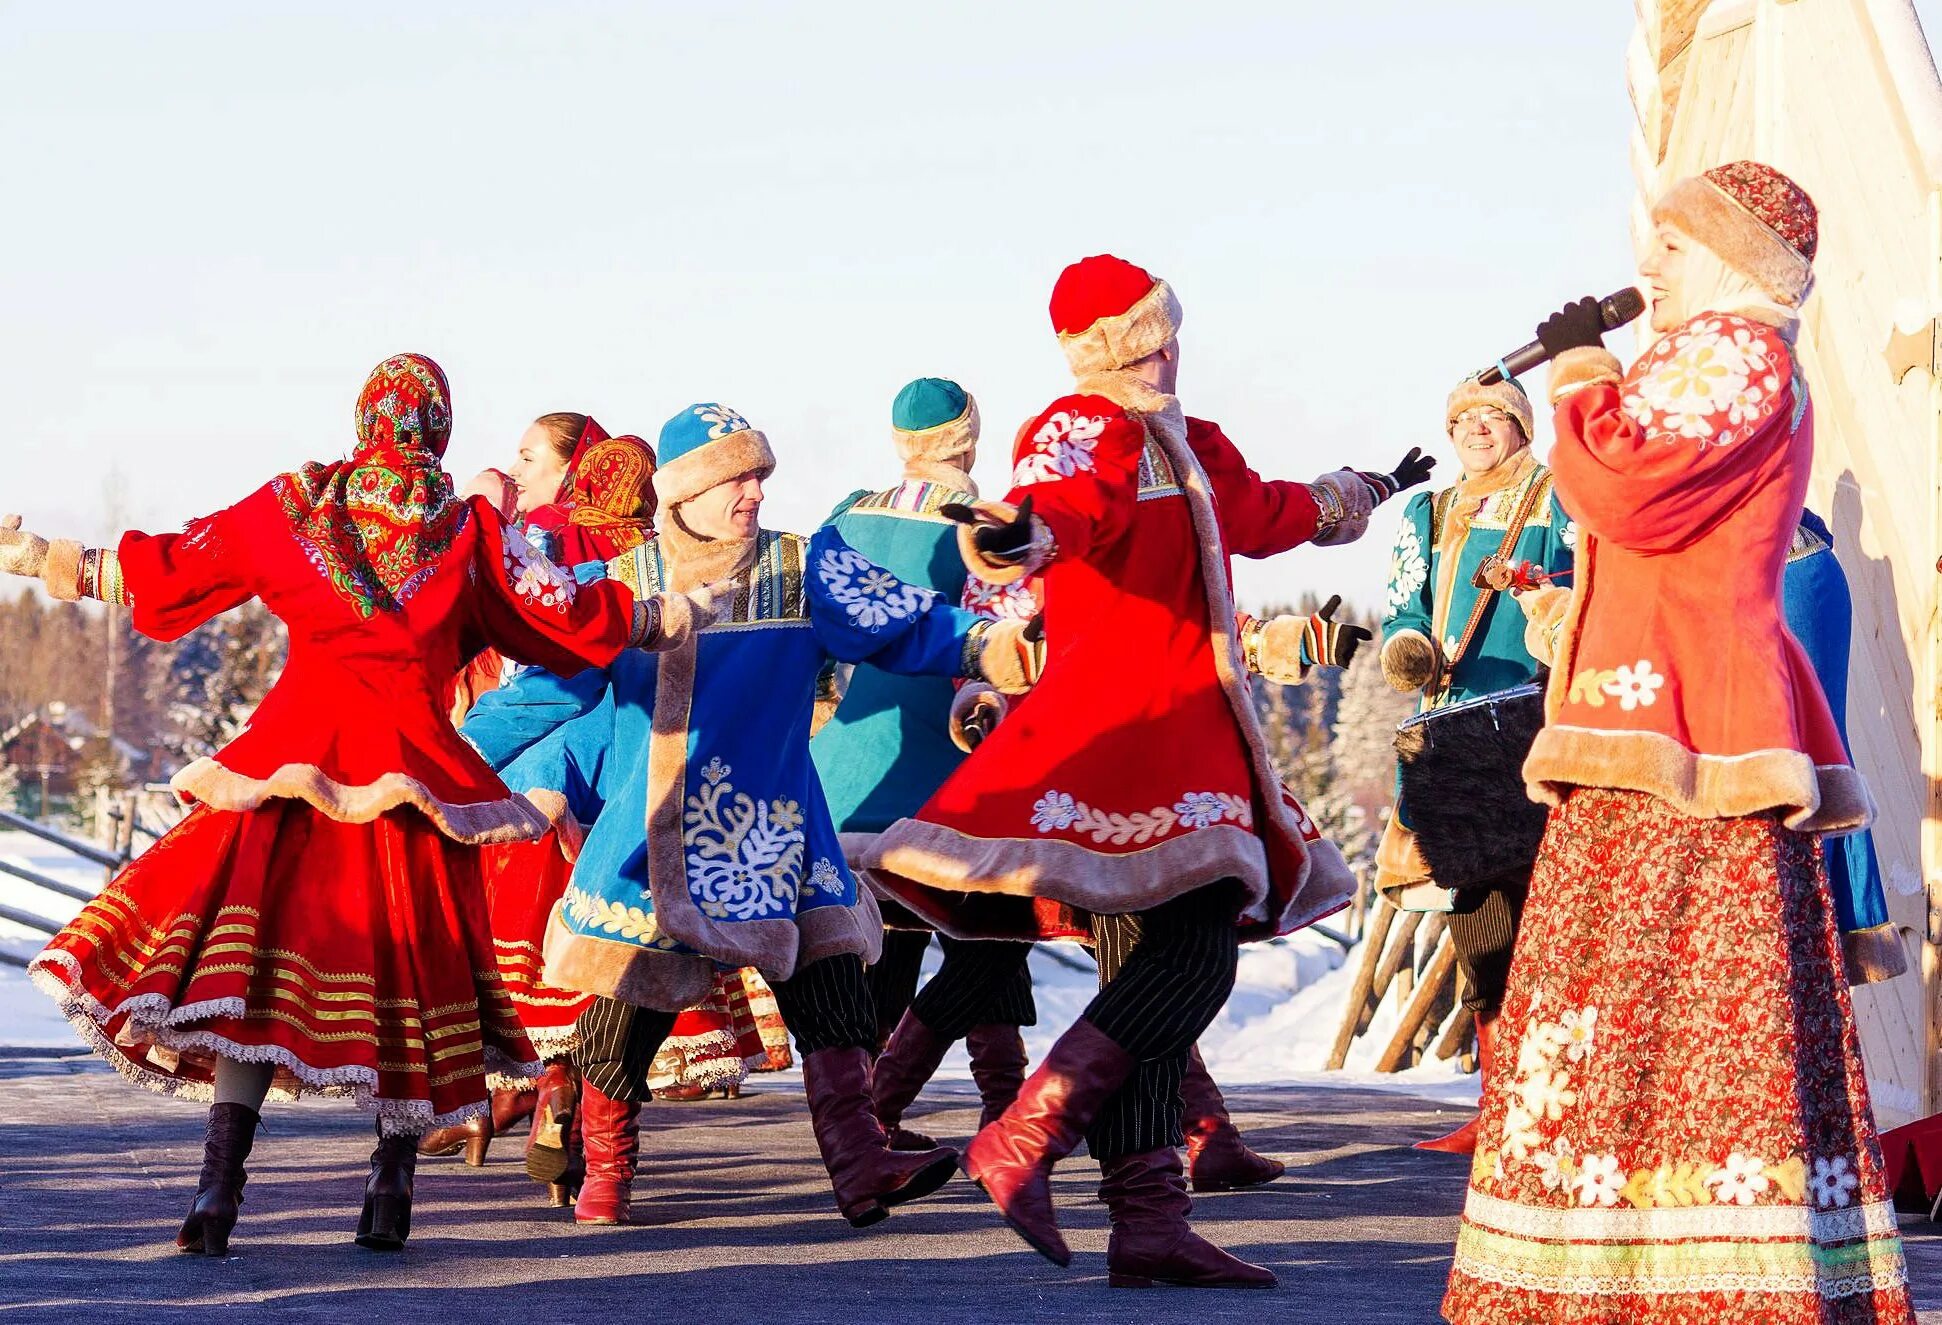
x,y
378,523
609,502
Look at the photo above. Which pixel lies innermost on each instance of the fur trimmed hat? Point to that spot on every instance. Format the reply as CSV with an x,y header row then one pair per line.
x,y
933,418
1109,313
1506,395
703,445
1759,222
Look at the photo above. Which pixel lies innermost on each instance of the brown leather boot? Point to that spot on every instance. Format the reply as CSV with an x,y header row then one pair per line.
x,y
907,1063
997,1065
1151,1242
386,1221
610,1135
1463,1141
511,1107
867,1175
1217,1157
1012,1159
553,1106
219,1191
473,1136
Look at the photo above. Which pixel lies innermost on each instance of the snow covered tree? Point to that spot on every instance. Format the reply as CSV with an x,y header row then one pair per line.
x,y
9,787
218,675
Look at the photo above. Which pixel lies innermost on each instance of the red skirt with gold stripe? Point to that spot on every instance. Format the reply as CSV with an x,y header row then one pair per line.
x,y
355,957
524,882
1677,1126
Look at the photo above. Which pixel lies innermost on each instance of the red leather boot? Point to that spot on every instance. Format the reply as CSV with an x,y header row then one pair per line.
x,y
866,1174
548,1143
1012,1159
1217,1158
997,1065
511,1107
225,1146
610,1135
1463,1141
1151,1242
908,1062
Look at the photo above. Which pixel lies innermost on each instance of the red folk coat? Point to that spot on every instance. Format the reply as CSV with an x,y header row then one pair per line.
x,y
1137,770
1676,674
358,722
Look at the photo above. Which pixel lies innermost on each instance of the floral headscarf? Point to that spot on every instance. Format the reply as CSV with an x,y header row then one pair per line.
x,y
609,502
377,525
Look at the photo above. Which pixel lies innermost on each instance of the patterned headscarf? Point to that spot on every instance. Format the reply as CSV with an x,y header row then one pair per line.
x,y
610,501
376,525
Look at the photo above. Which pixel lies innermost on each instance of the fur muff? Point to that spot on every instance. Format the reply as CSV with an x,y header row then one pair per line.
x,y
1463,788
1410,660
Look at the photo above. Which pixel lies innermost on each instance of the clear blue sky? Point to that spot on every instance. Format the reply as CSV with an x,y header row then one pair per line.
x,y
219,216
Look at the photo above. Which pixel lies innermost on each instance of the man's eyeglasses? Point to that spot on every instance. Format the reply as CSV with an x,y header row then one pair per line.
x,y
1481,419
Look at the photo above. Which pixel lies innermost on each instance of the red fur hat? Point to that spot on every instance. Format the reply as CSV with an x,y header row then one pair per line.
x,y
1109,313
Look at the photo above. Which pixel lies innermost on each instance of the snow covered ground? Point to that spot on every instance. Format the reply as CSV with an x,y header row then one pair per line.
x,y
1277,1028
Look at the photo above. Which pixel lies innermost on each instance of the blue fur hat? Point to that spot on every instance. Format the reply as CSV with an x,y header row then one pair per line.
x,y
703,445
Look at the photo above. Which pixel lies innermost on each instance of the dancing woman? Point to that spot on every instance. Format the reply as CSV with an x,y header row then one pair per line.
x,y
1680,1129
316,923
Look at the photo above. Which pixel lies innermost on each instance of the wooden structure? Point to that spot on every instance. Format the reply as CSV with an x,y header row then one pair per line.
x,y
1843,96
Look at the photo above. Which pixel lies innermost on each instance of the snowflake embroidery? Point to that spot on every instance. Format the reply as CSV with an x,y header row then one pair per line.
x,y
1833,1182
1714,381
1200,809
1063,446
744,856
1599,1180
1408,569
1741,1181
871,595
825,878
533,577
721,420
1054,810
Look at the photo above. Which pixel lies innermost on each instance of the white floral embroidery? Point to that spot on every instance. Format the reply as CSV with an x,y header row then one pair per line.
x,y
1408,568
1833,1182
1741,1181
1711,382
721,420
1599,1180
1058,811
1557,1166
1578,1028
1063,446
1541,1092
825,878
1569,534
533,577
1000,602
1634,687
1521,1136
871,595
744,856
1546,1094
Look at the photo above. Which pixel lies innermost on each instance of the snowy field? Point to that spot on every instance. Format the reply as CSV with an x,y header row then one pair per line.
x,y
1276,1029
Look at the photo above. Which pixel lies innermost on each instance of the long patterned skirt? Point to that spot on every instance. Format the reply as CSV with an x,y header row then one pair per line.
x,y
524,882
1679,1130
354,957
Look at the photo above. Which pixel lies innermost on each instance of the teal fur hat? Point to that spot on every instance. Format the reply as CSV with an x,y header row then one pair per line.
x,y
933,418
703,445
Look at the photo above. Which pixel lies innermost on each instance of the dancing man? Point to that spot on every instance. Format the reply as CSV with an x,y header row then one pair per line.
x,y
1130,799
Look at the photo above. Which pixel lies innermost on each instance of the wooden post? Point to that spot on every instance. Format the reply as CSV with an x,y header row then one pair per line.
x,y
1402,952
1441,969
1456,1036
1381,917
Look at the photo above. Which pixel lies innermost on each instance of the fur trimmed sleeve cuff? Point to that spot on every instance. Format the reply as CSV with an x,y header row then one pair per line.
x,y
1544,613
1582,366
1273,648
976,711
1040,547
1411,660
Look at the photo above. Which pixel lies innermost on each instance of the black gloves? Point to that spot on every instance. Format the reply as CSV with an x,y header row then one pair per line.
x,y
1580,322
1415,468
1000,542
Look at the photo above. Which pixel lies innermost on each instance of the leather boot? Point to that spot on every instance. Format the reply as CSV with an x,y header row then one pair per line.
x,y
511,1107
610,1135
867,1176
547,1143
386,1221
1151,1242
472,1136
1012,1159
997,1065
907,1063
566,1191
1217,1158
219,1191
1463,1141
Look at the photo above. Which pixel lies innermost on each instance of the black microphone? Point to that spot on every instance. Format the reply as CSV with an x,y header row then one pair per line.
x,y
1615,310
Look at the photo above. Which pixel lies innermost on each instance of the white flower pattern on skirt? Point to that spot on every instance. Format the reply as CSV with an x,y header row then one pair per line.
x,y
871,595
1063,446
1060,811
744,855
533,577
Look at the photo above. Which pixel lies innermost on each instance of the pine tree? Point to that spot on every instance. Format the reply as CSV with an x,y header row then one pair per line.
x,y
1366,718
218,675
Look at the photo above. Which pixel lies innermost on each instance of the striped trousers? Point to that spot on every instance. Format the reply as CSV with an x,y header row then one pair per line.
x,y
826,1004
1483,930
968,990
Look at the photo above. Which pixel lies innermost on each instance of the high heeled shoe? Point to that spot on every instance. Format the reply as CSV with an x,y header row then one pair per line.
x,y
219,1192
386,1221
